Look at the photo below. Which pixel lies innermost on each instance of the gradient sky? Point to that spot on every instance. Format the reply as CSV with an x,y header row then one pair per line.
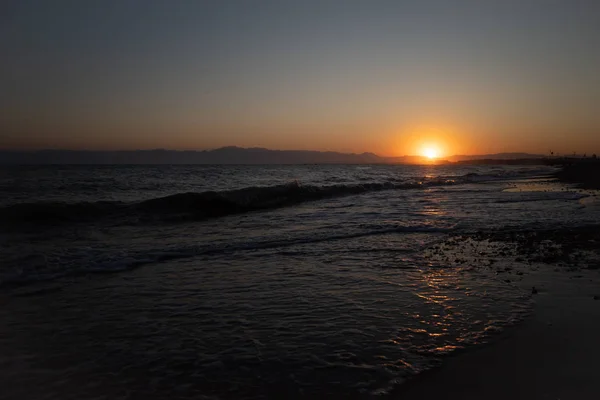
x,y
385,76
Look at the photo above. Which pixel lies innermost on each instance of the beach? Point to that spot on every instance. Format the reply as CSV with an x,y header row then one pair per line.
x,y
357,282
553,354
265,200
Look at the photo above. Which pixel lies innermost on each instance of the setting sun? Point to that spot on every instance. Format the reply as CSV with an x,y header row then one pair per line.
x,y
430,153
429,142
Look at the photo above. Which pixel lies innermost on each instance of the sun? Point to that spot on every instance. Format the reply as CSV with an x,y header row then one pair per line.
x,y
431,153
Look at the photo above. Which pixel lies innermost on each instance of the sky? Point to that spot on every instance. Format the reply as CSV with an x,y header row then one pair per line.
x,y
390,77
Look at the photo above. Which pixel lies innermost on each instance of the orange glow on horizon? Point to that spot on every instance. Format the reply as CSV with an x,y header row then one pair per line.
x,y
430,152
431,142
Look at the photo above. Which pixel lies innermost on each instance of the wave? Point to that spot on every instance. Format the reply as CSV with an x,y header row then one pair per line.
x,y
503,175
212,204
192,206
64,262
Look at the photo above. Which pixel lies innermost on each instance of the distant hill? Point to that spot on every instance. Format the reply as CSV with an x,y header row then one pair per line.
x,y
504,161
497,156
224,155
228,155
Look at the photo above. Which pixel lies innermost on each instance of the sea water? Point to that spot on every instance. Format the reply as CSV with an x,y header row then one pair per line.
x,y
252,281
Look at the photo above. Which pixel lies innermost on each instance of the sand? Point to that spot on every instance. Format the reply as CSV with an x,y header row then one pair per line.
x,y
554,354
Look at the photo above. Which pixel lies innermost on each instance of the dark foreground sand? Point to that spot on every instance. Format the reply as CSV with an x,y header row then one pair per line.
x,y
555,354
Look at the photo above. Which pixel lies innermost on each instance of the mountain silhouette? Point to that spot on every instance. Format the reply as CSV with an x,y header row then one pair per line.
x,y
223,155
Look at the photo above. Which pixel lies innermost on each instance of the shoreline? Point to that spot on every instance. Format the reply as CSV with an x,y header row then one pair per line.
x,y
521,351
552,354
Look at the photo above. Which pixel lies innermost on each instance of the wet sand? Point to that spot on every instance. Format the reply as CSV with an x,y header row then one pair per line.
x,y
554,354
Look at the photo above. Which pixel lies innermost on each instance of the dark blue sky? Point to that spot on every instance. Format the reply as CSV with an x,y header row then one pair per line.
x,y
384,76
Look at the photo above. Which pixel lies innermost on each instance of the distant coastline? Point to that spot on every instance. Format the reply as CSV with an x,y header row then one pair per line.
x,y
237,155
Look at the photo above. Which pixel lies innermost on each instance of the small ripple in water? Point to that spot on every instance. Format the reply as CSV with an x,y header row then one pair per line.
x,y
254,325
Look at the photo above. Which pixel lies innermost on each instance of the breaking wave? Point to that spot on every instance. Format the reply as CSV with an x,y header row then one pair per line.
x,y
193,206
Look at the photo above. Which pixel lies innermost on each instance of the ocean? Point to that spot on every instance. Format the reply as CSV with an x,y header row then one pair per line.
x,y
251,282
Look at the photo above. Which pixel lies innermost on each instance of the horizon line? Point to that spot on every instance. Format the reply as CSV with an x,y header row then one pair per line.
x,y
13,150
